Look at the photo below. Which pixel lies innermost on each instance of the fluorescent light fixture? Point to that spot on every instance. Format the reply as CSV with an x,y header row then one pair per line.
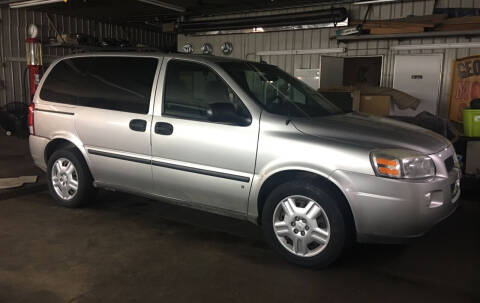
x,y
435,46
34,3
163,4
373,2
301,51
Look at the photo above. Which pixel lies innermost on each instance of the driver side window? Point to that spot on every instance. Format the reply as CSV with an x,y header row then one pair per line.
x,y
192,88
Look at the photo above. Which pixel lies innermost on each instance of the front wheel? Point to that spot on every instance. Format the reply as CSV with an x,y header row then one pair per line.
x,y
305,224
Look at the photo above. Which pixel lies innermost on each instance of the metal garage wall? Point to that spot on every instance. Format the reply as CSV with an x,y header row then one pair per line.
x,y
13,32
246,45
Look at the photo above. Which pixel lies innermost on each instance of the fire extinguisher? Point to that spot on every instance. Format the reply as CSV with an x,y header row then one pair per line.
x,y
34,58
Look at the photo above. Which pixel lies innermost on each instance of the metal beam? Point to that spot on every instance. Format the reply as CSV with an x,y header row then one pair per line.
x,y
301,51
30,3
166,5
407,36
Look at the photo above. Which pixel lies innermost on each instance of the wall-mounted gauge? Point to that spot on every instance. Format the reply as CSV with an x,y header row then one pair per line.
x,y
187,48
227,48
207,49
32,31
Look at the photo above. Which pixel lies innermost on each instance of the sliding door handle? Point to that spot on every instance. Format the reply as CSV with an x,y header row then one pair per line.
x,y
163,128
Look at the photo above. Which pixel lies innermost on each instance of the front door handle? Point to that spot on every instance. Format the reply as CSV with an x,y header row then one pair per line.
x,y
163,128
138,125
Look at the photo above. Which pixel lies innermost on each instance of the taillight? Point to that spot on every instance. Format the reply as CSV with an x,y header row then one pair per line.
x,y
31,124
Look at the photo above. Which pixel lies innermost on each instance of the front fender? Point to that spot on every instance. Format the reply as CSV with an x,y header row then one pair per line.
x,y
269,171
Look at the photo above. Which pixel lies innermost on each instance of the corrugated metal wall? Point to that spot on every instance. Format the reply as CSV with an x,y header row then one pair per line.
x,y
246,45
13,32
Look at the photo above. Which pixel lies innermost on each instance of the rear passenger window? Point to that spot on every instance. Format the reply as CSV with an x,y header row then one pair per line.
x,y
115,83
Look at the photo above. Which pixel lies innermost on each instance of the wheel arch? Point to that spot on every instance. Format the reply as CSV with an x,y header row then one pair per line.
x,y
63,142
283,176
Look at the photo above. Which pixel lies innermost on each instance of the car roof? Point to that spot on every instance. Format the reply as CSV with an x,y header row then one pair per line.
x,y
199,58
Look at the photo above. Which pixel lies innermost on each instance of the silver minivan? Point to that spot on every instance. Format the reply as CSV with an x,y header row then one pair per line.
x,y
243,139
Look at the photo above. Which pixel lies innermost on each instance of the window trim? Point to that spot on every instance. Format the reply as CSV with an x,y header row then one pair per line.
x,y
193,119
153,89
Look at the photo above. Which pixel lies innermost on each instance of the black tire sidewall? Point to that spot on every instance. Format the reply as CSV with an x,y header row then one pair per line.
x,y
330,204
85,187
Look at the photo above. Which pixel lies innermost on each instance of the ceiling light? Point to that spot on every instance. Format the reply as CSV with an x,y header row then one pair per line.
x,y
373,2
34,3
166,5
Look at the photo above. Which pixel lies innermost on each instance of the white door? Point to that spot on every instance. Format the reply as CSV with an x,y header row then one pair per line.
x,y
419,76
328,75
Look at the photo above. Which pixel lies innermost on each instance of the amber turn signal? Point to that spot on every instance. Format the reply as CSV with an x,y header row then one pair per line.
x,y
386,162
388,171
388,167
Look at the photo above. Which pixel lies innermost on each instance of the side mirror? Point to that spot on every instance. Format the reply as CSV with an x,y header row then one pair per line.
x,y
225,112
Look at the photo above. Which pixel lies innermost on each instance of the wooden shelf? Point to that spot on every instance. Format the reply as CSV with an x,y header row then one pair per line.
x,y
347,39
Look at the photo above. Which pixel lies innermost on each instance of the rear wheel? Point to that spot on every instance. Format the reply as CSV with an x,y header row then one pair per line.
x,y
69,179
305,224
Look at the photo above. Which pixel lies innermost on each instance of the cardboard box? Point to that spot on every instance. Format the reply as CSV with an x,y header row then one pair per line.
x,y
375,105
399,98
473,160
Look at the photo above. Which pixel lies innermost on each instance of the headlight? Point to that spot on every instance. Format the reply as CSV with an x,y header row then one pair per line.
x,y
402,163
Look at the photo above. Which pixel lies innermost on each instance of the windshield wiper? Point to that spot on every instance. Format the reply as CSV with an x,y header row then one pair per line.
x,y
289,115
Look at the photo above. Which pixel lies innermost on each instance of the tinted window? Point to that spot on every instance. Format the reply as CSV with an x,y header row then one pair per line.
x,y
116,83
190,89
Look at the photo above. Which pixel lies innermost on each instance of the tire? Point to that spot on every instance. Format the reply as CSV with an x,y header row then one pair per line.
x,y
318,249
84,193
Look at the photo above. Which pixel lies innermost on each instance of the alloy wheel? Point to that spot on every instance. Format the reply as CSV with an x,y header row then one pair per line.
x,y
301,226
65,178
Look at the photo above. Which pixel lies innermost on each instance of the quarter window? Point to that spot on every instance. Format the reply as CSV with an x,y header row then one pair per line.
x,y
191,89
114,83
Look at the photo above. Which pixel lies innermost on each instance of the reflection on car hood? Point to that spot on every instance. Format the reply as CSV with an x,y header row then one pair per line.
x,y
373,132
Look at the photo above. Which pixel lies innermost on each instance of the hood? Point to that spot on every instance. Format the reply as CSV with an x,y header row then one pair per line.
x,y
373,132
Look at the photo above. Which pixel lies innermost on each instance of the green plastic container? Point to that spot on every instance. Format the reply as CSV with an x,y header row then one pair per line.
x,y
471,122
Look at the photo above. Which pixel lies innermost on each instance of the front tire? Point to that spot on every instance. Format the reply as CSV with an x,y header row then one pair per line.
x,y
69,179
305,224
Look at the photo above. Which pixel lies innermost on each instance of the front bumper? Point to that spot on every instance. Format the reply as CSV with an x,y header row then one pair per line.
x,y
391,210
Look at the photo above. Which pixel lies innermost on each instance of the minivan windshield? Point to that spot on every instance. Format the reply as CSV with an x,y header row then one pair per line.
x,y
278,92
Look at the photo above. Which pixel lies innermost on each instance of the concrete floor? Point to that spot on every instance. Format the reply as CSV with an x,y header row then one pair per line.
x,y
130,249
